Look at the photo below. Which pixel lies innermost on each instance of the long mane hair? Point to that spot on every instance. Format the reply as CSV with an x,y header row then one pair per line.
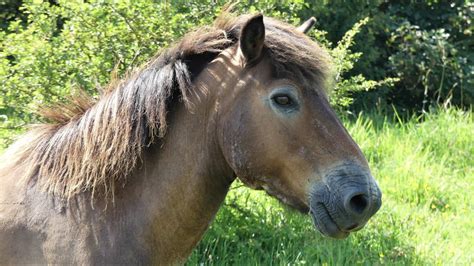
x,y
90,145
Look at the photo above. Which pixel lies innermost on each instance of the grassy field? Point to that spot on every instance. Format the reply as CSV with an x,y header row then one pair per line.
x,y
426,172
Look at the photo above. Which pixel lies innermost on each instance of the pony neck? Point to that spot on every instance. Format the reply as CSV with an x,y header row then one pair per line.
x,y
183,180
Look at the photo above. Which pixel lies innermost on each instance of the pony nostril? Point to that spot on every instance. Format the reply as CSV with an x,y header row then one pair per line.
x,y
358,203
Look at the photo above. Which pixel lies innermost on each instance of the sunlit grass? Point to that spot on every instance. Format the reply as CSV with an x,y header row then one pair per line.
x,y
426,171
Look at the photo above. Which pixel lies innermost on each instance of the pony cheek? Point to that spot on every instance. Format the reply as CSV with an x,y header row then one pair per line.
x,y
242,166
241,162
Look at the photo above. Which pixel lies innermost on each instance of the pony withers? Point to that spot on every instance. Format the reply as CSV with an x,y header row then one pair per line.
x,y
138,175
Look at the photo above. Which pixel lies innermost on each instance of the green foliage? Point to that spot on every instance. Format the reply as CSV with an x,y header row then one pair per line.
x,y
425,169
10,11
78,44
47,48
53,48
426,45
7,135
440,73
344,59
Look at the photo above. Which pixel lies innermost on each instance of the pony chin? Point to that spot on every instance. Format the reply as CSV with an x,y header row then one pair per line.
x,y
325,224
251,183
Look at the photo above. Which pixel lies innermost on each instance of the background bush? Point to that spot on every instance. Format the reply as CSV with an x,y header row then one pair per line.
x,y
48,48
428,45
414,55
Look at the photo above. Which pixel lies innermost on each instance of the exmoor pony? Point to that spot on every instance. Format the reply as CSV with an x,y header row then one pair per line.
x,y
138,175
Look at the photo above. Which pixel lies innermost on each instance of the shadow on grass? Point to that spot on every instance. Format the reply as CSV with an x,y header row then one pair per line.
x,y
247,232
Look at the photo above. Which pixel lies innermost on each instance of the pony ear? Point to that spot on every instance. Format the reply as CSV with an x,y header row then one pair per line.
x,y
252,38
307,25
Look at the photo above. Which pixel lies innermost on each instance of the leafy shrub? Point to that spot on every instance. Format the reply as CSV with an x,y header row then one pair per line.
x,y
78,44
344,60
418,43
430,67
71,44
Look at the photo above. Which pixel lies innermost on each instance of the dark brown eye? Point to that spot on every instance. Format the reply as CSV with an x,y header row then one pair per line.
x,y
282,100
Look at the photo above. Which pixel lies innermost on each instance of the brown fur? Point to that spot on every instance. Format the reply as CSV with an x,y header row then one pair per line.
x,y
91,146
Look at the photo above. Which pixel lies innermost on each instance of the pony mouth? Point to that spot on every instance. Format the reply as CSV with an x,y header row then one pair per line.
x,y
325,223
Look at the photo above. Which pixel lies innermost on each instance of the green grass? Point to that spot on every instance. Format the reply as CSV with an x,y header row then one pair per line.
x,y
426,172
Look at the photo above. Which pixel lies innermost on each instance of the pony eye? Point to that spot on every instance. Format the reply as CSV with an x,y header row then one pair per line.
x,y
283,100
